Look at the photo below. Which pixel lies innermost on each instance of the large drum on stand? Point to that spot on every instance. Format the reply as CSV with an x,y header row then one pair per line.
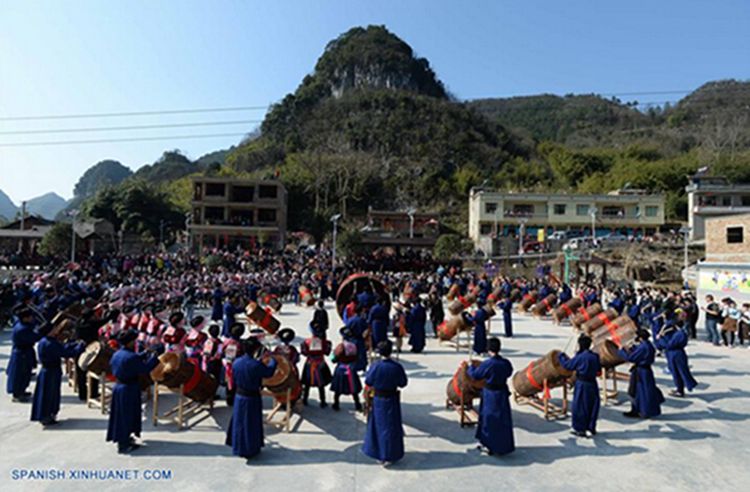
x,y
585,314
544,306
530,381
262,317
462,388
461,303
527,301
306,296
449,328
601,319
357,283
284,378
95,358
567,310
608,339
174,371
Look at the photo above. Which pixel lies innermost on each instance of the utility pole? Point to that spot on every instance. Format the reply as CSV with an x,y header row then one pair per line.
x,y
335,220
592,212
411,213
23,226
685,230
74,214
521,233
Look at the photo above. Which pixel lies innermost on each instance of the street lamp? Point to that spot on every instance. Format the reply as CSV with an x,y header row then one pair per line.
x,y
685,231
73,213
188,223
411,213
592,213
335,220
521,233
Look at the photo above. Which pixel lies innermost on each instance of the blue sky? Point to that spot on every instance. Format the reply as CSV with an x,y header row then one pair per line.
x,y
80,56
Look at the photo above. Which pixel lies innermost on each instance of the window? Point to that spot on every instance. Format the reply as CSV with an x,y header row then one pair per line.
x,y
198,193
215,189
214,215
735,235
559,208
582,209
266,216
726,201
746,200
485,230
490,208
613,211
522,210
243,194
652,211
267,191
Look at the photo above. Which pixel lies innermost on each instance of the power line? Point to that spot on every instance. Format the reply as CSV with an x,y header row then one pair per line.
x,y
132,113
132,127
116,140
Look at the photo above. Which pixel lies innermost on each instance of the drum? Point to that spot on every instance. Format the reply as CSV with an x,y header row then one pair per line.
x,y
461,303
262,317
282,378
356,283
452,326
95,358
296,392
273,302
461,386
452,292
599,320
306,296
584,314
530,381
608,338
174,371
489,309
566,310
527,301
545,306
347,353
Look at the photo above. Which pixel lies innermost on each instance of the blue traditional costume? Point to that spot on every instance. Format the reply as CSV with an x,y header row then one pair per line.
x,y
415,322
673,344
384,439
495,426
378,321
245,432
506,307
586,399
46,402
480,330
125,411
22,358
647,398
358,326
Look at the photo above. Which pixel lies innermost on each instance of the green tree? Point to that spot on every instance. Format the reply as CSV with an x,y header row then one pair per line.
x,y
448,246
57,242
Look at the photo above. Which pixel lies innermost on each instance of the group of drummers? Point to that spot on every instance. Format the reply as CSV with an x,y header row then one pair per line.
x,y
223,347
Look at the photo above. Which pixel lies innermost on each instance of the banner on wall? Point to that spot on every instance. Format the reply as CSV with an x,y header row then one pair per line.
x,y
726,280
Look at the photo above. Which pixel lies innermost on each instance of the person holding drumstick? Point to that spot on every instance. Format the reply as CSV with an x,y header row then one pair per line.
x,y
586,400
495,426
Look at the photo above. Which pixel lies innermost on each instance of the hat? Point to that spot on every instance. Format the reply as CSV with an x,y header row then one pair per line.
x,y
286,335
127,336
198,322
257,333
345,332
385,348
24,312
176,318
493,345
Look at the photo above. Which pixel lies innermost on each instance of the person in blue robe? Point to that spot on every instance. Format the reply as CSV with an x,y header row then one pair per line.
x,y
480,329
46,402
217,298
647,398
245,432
358,326
586,401
633,310
617,303
495,425
384,438
22,358
416,319
378,320
506,306
673,342
365,299
544,291
125,410
565,294
230,310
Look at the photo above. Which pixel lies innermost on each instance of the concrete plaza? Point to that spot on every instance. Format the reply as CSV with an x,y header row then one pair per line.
x,y
700,442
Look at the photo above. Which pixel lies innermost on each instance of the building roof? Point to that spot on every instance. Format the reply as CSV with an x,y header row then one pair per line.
x,y
30,222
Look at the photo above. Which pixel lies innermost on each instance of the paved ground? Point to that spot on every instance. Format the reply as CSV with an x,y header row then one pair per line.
x,y
701,442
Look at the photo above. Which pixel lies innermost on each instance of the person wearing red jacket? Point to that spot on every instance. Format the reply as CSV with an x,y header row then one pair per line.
x,y
316,372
